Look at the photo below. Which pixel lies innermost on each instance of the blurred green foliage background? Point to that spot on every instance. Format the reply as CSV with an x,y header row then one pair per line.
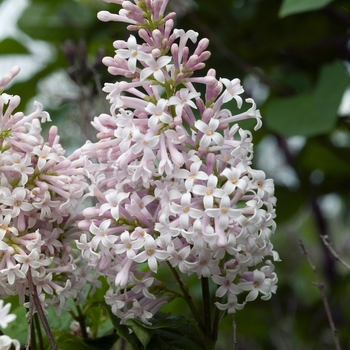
x,y
293,58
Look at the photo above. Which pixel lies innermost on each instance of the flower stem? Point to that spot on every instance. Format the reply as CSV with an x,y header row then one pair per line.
x,y
38,331
81,320
35,298
209,341
215,329
206,306
187,298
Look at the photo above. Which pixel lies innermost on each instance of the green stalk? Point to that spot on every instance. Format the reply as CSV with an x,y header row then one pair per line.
x,y
81,320
38,331
206,306
33,339
209,342
216,322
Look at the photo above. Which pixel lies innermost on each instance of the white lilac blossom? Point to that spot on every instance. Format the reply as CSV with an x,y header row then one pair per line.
x,y
39,190
174,181
6,343
5,317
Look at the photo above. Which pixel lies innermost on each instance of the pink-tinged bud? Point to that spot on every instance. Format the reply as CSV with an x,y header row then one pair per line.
x,y
169,25
143,34
223,126
179,77
207,115
123,275
202,45
91,212
174,49
156,53
212,72
157,37
42,185
157,4
185,53
108,61
14,71
105,263
148,5
204,56
104,135
176,156
200,104
132,15
169,16
21,223
198,66
84,225
210,162
222,239
53,137
127,5
14,102
105,16
4,81
120,44
193,60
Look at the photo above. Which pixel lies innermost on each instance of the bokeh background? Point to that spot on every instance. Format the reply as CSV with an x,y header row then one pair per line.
x,y
293,58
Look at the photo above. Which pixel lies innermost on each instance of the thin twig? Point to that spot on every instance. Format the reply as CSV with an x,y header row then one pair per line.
x,y
39,309
234,328
216,321
206,306
29,320
187,297
333,252
38,329
320,286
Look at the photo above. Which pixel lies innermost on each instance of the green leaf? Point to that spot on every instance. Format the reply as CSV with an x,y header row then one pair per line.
x,y
167,331
143,334
311,113
102,343
164,320
184,337
59,18
290,7
123,331
10,46
66,341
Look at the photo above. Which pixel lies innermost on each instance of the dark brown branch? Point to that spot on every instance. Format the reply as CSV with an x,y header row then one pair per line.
x,y
322,229
320,286
333,252
30,322
35,298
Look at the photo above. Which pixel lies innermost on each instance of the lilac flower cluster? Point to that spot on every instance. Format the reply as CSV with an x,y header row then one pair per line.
x,y
173,179
39,189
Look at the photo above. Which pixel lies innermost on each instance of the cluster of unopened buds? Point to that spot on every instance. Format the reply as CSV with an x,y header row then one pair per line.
x,y
173,179
39,189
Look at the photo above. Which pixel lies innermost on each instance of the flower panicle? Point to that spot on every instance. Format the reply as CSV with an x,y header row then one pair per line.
x,y
39,190
174,179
